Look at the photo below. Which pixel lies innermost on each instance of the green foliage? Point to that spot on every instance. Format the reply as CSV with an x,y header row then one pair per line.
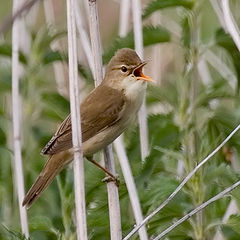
x,y
5,80
224,40
57,106
234,223
186,38
155,5
13,235
6,50
151,35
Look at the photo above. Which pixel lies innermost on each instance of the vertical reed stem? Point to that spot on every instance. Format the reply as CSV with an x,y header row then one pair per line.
x,y
118,143
16,118
113,198
76,125
138,41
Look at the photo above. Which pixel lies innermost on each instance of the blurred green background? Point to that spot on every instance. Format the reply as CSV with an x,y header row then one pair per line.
x,y
192,107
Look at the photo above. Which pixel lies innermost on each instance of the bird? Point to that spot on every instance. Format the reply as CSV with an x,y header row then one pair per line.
x,y
105,114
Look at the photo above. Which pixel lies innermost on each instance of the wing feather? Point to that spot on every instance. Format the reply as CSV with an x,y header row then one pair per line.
x,y
102,108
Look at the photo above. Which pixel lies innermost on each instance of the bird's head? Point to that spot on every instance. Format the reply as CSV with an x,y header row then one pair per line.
x,y
125,67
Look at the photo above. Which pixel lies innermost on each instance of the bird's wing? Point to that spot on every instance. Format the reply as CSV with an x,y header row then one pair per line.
x,y
98,111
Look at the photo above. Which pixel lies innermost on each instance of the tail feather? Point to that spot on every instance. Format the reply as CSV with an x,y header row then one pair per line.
x,y
53,166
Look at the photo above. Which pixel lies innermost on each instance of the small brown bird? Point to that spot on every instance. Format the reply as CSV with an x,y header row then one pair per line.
x,y
105,114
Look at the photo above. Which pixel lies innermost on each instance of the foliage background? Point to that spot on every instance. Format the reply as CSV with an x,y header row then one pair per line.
x,y
190,111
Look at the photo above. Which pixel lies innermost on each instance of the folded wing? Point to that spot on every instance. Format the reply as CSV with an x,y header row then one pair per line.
x,y
102,108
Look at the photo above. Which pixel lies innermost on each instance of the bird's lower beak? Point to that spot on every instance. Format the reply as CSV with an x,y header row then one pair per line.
x,y
137,72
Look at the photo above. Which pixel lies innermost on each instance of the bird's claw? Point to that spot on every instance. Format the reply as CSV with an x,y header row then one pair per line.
x,y
114,179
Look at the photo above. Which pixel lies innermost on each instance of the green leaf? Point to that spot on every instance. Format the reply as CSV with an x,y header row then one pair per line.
x,y
3,137
234,223
167,94
41,222
224,40
41,135
219,89
161,4
14,235
151,35
52,56
5,80
229,233
56,104
186,32
44,37
222,174
6,50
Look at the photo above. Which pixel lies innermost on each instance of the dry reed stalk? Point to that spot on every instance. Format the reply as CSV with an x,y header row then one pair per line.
x,y
138,41
16,118
231,25
113,198
131,187
118,143
79,187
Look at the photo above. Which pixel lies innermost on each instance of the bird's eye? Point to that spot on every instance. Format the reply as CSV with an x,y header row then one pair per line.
x,y
123,69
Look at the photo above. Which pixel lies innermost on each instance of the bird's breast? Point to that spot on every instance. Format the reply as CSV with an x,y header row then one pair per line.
x,y
134,97
134,89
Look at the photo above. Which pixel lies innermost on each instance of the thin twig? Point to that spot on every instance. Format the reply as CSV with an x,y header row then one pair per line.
x,y
230,23
180,186
19,179
76,124
197,209
138,41
113,199
26,6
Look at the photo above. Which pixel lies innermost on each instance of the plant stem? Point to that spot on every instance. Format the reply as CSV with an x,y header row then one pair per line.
x,y
79,186
113,198
197,209
16,100
138,42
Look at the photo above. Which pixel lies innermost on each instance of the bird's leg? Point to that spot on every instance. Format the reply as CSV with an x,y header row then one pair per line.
x,y
107,179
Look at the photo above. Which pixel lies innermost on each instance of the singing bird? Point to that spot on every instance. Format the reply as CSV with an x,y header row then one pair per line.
x,y
105,114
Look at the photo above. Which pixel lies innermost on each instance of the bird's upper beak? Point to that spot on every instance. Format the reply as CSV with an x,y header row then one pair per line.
x,y
137,72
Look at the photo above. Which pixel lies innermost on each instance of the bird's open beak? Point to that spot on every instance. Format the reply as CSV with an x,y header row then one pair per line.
x,y
137,72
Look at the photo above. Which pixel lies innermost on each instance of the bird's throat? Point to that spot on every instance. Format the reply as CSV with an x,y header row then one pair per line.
x,y
133,88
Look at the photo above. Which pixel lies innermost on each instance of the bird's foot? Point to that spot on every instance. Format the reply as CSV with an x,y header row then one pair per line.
x,y
114,179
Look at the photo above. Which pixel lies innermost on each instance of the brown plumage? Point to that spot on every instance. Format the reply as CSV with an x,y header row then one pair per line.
x,y
95,116
105,113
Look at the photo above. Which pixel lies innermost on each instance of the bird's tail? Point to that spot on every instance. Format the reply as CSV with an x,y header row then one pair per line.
x,y
53,166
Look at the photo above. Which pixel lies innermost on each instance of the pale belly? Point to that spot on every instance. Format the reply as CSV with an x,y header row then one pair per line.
x,y
104,138
107,136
